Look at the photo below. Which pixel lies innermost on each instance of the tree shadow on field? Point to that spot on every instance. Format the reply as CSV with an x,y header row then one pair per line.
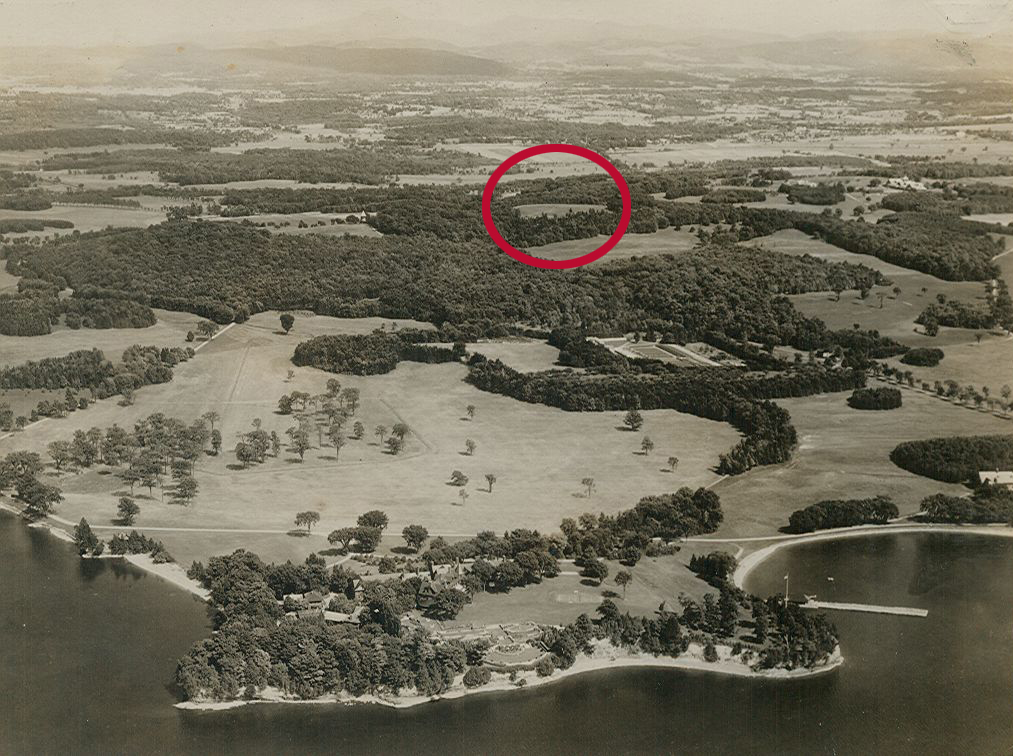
x,y
331,552
640,453
625,429
589,582
403,550
298,533
235,466
609,594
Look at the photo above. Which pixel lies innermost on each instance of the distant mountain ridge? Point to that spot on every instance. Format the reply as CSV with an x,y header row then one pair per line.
x,y
378,60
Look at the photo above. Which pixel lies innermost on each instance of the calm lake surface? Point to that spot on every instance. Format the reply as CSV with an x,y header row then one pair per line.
x,y
89,650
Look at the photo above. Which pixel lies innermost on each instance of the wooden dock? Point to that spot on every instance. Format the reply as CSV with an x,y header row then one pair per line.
x,y
904,611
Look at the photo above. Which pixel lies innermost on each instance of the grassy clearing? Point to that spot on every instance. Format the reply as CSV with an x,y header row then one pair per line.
x,y
665,242
845,453
525,355
554,210
539,454
170,330
562,599
988,363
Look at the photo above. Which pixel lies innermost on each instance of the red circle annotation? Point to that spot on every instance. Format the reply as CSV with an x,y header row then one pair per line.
x,y
575,262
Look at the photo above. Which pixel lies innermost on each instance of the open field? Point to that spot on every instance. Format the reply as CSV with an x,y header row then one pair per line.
x,y
844,453
89,218
539,454
525,355
927,142
170,330
665,242
966,361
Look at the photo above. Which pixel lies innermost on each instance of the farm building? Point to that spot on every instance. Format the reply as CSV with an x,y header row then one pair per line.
x,y
997,477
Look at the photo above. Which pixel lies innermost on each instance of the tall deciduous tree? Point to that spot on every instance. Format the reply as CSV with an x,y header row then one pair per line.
x,y
415,536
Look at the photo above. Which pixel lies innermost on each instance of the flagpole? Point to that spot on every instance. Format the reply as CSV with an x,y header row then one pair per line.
x,y
786,589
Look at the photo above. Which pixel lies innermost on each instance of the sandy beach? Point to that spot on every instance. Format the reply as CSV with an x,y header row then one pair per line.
x,y
751,561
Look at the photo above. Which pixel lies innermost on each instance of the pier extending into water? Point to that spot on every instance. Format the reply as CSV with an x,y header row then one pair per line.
x,y
904,611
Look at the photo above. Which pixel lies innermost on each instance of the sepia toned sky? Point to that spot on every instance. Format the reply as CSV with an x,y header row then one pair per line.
x,y
85,23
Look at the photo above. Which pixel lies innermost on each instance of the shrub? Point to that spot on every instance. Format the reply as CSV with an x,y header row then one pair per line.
x,y
476,677
545,667
710,653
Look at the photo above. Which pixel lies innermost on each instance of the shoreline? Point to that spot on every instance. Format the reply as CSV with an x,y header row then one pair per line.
x,y
171,572
605,658
754,559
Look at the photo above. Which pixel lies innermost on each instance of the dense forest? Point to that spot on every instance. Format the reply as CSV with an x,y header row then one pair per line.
x,y
225,271
36,308
955,459
362,165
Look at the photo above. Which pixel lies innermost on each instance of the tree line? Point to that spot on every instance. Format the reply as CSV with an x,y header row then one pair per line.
x,y
842,513
955,459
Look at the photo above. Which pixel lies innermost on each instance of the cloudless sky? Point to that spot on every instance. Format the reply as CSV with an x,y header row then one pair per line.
x,y
82,23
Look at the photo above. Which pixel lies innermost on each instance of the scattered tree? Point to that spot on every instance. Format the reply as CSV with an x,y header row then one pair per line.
x,y
127,510
633,420
287,321
470,446
491,480
623,578
588,483
647,445
307,519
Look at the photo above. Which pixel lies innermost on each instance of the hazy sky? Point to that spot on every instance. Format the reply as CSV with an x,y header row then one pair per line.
x,y
83,23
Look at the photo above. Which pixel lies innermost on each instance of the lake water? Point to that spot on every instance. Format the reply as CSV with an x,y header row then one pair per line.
x,y
89,650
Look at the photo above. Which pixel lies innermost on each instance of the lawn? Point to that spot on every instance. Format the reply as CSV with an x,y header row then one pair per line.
x,y
538,454
562,599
